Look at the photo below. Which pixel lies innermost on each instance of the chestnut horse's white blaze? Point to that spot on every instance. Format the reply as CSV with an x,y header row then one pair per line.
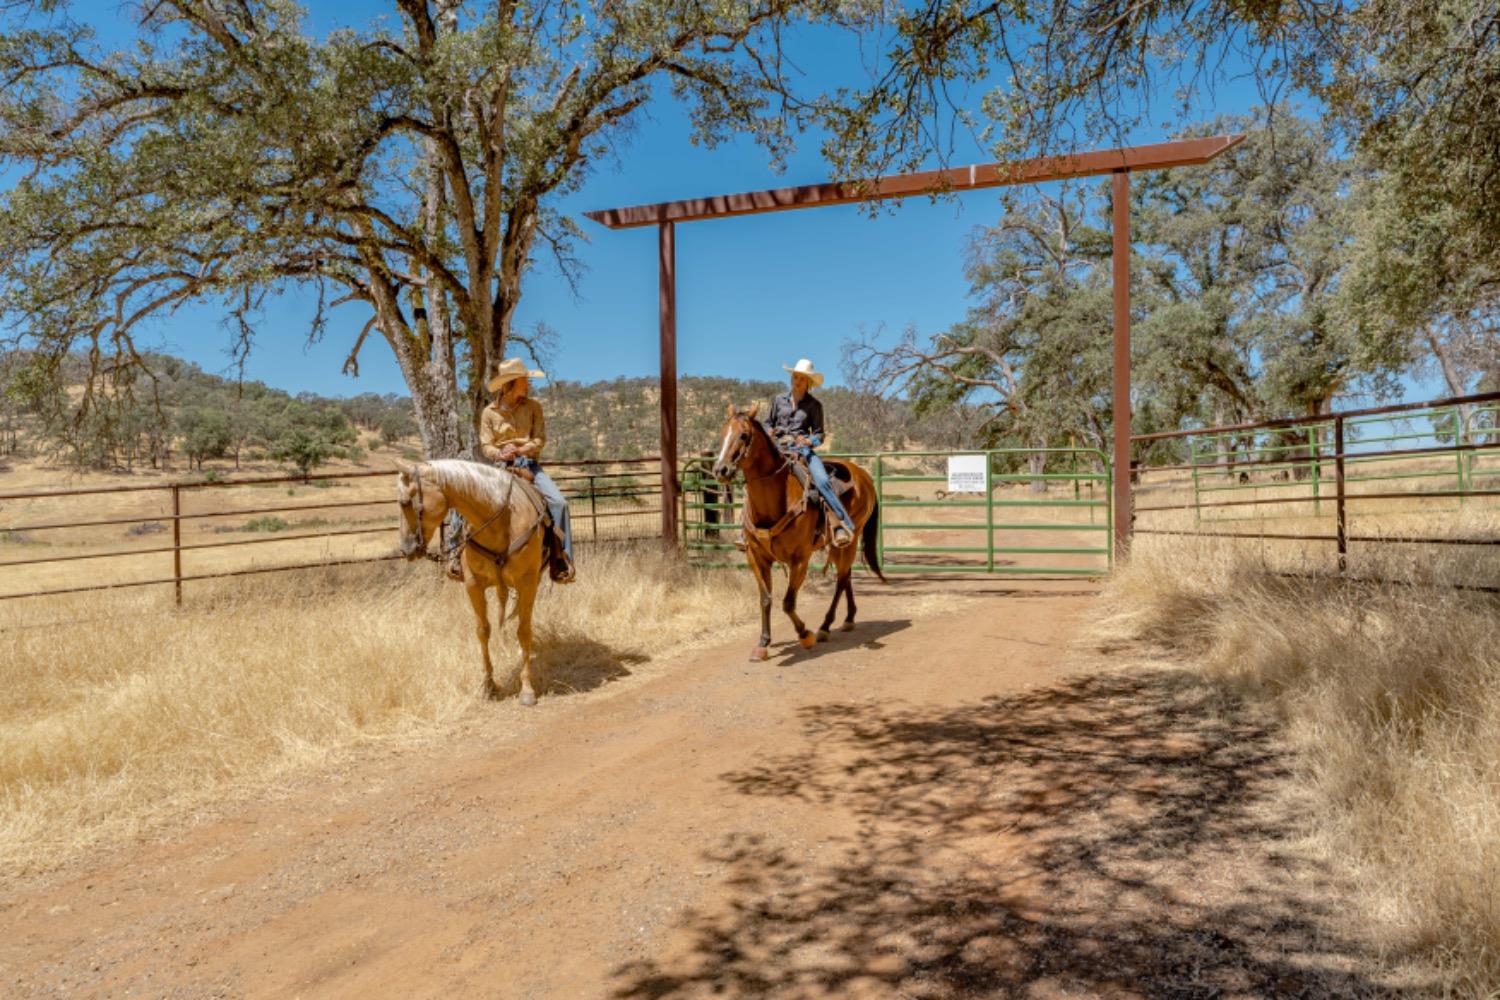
x,y
506,544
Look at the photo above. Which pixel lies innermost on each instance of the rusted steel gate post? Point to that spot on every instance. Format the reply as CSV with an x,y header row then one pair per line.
x,y
667,304
177,541
1338,479
1123,507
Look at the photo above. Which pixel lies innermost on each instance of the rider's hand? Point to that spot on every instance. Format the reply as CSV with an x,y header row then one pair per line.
x,y
508,453
802,441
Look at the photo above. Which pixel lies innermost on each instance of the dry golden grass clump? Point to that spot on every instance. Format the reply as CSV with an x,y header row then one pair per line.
x,y
1392,693
144,714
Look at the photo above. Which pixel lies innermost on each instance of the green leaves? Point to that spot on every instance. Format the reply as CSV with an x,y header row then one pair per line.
x,y
231,155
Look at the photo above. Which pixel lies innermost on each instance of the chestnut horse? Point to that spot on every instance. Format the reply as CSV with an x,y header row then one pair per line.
x,y
781,525
503,548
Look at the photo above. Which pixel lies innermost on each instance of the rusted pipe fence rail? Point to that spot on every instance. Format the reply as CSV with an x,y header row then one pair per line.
x,y
1413,474
611,499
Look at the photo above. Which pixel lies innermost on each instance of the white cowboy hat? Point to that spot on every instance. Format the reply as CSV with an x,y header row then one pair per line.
x,y
512,368
804,367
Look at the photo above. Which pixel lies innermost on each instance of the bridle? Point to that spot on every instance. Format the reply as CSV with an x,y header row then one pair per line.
x,y
744,439
415,503
468,540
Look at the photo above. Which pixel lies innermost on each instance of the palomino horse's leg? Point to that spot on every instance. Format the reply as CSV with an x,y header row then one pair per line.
x,y
796,573
760,566
525,600
481,607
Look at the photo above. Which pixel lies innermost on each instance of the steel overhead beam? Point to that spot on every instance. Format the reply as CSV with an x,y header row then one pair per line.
x,y
1158,156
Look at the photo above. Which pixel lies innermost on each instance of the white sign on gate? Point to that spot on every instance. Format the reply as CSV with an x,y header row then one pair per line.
x,y
966,473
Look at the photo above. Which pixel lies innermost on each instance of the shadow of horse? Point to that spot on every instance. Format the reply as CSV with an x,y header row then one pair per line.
x,y
570,663
866,635
1110,835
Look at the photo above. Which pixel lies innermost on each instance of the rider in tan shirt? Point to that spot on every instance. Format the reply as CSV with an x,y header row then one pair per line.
x,y
512,433
522,426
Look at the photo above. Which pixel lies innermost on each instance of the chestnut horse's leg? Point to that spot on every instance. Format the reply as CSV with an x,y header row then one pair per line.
x,y
796,573
525,600
760,565
844,586
475,589
846,577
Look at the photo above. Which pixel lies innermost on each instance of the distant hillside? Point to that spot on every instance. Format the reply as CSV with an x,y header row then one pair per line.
x,y
184,414
620,417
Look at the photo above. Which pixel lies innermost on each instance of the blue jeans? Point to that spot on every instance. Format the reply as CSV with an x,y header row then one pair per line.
x,y
557,504
825,488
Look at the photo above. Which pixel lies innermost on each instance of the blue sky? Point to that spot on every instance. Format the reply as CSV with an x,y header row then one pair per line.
x,y
753,293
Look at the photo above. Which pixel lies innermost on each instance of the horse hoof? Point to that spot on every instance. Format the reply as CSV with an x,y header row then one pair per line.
x,y
528,699
759,653
847,627
822,635
491,691
808,641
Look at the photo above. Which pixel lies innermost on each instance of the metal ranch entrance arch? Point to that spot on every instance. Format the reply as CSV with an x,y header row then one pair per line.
x,y
1120,163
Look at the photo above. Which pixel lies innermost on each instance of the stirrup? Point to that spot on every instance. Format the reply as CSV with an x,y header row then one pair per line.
x,y
847,539
561,569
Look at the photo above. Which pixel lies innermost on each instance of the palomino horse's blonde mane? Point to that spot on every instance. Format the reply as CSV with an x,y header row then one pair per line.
x,y
480,483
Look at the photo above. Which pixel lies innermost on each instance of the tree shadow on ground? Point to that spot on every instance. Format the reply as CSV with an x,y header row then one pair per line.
x,y
1112,835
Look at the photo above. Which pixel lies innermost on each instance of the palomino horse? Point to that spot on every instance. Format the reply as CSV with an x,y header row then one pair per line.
x,y
503,549
781,525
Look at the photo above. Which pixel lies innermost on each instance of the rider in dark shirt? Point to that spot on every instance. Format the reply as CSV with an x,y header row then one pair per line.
x,y
798,416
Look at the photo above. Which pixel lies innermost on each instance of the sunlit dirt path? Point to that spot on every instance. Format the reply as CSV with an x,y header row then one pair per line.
x,y
955,800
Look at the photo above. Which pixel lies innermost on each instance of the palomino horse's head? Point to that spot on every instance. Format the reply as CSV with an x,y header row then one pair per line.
x,y
423,507
735,441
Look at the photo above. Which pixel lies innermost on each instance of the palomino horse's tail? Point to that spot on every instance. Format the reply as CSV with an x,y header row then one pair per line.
x,y
871,542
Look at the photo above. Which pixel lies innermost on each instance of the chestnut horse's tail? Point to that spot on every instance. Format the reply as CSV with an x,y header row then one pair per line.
x,y
871,542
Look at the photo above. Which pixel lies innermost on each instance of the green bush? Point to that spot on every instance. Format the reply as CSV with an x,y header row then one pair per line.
x,y
268,523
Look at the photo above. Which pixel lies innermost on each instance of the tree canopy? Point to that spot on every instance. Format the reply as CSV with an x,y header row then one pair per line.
x,y
409,167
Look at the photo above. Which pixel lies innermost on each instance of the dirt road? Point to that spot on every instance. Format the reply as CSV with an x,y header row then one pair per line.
x,y
951,801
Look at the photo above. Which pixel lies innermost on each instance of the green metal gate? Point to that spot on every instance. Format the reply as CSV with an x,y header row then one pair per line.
x,y
1039,512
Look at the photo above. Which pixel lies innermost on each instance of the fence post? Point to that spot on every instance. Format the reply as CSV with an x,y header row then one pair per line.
x,y
989,511
593,510
1338,473
1458,452
1313,433
1197,489
177,541
880,501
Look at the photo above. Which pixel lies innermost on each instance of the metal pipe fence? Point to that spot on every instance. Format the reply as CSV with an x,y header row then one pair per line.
x,y
611,500
1401,471
1015,521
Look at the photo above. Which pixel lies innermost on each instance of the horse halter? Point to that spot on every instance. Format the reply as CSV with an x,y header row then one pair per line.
x,y
415,503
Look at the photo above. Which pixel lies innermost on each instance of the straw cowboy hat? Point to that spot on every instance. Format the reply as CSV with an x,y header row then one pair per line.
x,y
510,369
804,367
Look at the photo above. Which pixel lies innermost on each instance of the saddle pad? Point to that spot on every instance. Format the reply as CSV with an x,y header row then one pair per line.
x,y
838,475
533,497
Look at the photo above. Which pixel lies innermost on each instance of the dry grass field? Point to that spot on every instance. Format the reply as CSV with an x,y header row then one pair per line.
x,y
1390,693
144,714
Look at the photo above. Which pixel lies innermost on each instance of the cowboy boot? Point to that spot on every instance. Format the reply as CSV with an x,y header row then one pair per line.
x,y
559,566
